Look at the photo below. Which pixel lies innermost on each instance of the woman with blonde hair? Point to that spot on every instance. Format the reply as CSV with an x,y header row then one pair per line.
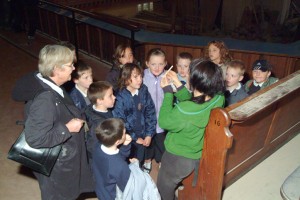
x,y
52,119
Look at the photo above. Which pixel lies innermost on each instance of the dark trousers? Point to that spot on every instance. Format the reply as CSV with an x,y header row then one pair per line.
x,y
156,148
173,170
137,151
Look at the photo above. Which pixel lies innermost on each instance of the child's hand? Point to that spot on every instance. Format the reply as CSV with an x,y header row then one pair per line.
x,y
140,141
132,160
128,139
147,141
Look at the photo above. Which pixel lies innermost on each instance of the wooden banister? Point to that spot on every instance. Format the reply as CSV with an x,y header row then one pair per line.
x,y
217,141
124,23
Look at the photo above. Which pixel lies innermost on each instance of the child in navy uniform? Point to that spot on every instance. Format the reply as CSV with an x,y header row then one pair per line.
x,y
135,106
109,165
235,90
115,179
184,60
83,78
102,100
123,54
261,72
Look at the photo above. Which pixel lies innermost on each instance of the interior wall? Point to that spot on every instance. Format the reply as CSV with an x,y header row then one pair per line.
x,y
232,13
208,13
233,10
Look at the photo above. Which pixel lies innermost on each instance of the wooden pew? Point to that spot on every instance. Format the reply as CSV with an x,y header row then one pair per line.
x,y
261,124
242,135
218,140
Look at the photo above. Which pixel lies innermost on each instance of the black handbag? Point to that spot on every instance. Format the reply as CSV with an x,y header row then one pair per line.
x,y
40,160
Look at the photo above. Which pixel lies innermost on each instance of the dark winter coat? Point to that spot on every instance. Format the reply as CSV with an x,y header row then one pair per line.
x,y
113,76
235,96
45,127
94,118
125,109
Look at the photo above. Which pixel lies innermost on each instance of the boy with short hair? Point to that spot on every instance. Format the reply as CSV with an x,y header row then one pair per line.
x,y
184,60
102,99
234,74
115,179
261,71
82,77
109,165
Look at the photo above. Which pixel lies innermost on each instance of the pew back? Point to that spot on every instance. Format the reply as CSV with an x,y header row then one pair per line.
x,y
211,170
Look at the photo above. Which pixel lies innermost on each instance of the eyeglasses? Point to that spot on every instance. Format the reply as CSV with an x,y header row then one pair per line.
x,y
71,66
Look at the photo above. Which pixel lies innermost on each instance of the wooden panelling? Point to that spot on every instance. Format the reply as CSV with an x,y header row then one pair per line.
x,y
94,38
44,21
283,65
82,37
63,33
289,108
248,140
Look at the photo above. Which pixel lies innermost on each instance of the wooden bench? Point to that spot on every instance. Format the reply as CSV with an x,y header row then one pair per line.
x,y
240,136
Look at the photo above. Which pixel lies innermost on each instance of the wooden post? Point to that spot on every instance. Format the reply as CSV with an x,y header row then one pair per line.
x,y
217,141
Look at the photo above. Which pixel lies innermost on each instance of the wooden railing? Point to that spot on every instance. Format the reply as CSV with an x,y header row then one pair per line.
x,y
244,134
80,27
68,24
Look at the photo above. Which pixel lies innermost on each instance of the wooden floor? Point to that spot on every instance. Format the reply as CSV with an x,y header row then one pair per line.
x,y
16,182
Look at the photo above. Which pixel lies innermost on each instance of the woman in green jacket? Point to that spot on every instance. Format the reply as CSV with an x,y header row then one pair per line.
x,y
186,121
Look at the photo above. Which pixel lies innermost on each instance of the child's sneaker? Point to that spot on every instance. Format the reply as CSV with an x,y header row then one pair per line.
x,y
180,187
147,167
159,165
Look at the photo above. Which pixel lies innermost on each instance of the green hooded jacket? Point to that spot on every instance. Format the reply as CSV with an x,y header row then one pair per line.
x,y
186,123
